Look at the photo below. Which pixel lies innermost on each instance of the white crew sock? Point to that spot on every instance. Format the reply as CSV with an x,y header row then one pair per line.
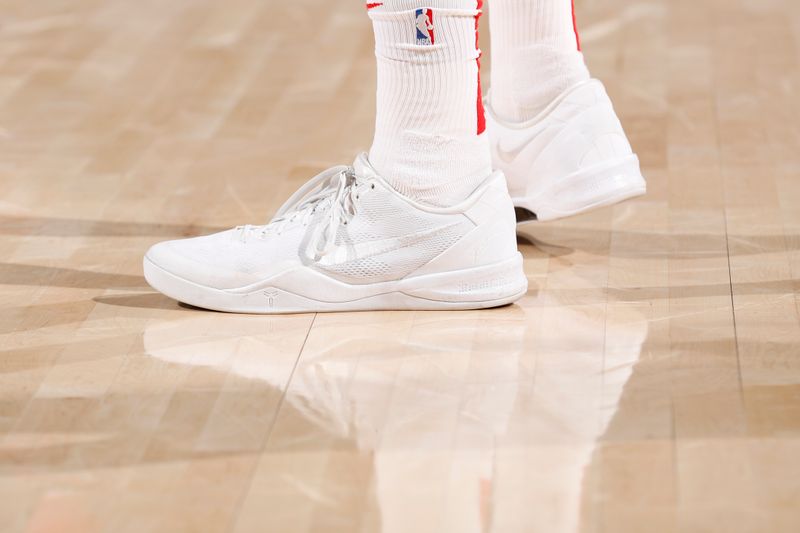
x,y
535,55
429,141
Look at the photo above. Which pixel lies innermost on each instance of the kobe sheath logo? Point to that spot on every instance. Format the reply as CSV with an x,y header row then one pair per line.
x,y
424,24
271,295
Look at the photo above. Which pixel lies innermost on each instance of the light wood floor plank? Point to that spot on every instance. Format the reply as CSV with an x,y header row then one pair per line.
x,y
649,380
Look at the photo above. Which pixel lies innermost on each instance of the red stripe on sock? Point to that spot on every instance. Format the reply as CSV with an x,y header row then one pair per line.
x,y
374,5
481,111
575,26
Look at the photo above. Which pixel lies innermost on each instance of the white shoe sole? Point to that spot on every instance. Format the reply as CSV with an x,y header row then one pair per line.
x,y
475,288
596,187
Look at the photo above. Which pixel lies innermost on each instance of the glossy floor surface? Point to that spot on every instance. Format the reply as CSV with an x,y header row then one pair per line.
x,y
648,382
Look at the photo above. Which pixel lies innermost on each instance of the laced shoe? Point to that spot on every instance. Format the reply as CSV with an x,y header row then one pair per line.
x,y
348,241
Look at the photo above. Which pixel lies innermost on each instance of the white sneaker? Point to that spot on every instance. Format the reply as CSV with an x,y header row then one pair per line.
x,y
347,241
571,158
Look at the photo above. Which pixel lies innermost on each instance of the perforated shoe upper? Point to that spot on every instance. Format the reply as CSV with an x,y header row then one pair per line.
x,y
358,230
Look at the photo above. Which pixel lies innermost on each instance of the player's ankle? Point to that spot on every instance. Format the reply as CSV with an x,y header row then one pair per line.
x,y
536,55
435,170
429,141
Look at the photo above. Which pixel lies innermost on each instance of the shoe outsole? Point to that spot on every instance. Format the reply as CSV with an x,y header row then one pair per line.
x,y
476,288
597,187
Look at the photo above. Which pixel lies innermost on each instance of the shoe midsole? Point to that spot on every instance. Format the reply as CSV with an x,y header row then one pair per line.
x,y
587,189
485,283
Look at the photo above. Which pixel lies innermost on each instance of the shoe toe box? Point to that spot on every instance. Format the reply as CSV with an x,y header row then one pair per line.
x,y
213,261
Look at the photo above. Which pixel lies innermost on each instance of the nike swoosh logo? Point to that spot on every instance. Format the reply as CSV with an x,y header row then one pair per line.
x,y
541,135
363,250
508,156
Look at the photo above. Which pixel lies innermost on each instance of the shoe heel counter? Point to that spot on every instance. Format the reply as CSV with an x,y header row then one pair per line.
x,y
591,134
493,238
607,136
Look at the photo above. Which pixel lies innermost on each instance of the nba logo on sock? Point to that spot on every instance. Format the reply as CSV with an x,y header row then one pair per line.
x,y
425,26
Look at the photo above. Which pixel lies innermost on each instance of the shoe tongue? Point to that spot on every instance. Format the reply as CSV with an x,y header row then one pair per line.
x,y
363,167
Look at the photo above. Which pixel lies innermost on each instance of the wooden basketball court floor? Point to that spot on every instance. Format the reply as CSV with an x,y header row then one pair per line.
x,y
648,382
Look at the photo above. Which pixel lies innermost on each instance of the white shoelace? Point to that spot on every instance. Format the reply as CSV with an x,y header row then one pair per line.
x,y
335,189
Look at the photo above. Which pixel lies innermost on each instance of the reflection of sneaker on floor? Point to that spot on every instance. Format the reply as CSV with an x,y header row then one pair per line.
x,y
350,368
573,157
403,395
348,241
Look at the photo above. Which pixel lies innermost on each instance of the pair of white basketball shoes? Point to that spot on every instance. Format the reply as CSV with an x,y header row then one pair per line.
x,y
348,241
